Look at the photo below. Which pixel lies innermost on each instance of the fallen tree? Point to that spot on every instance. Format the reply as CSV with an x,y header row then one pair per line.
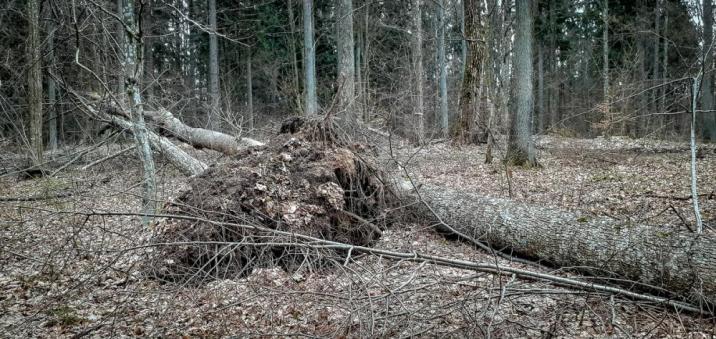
x,y
200,137
658,259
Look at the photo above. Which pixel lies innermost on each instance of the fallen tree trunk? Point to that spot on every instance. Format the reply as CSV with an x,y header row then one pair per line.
x,y
178,157
658,259
200,137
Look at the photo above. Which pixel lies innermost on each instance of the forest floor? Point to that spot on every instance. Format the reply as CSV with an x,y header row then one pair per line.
x,y
71,260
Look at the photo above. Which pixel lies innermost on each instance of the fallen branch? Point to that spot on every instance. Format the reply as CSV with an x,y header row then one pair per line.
x,y
111,156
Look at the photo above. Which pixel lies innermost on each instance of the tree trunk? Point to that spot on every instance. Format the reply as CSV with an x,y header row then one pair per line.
x,y
605,65
346,62
678,262
51,88
466,130
707,96
186,163
250,90
309,60
418,71
213,121
443,92
541,114
200,137
133,72
34,80
294,59
520,148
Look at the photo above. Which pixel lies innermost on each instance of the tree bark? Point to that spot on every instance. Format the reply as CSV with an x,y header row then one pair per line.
x,y
443,92
309,60
346,62
250,90
520,148
707,96
133,74
213,121
605,64
34,80
466,129
200,137
678,262
51,88
419,72
186,163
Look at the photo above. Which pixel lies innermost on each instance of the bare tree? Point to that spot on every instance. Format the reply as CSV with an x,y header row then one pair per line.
x,y
133,74
346,60
605,58
466,130
443,93
707,96
51,86
34,80
309,60
419,72
520,148
213,121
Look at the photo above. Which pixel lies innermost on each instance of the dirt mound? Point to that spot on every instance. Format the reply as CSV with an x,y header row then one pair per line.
x,y
307,180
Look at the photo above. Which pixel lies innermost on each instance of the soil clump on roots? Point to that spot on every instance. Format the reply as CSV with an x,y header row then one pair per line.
x,y
309,180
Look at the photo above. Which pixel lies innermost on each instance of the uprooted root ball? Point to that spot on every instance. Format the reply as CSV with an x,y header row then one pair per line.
x,y
305,181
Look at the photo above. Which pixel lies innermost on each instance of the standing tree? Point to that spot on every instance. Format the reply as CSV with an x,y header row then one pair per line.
x,y
133,74
707,96
443,69
418,69
309,60
466,130
51,86
605,61
520,148
213,118
34,80
346,61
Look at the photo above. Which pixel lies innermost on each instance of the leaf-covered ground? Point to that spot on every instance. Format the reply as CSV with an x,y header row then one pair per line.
x,y
73,266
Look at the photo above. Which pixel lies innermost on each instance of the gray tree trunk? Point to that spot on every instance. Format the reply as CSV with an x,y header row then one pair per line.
x,y
34,81
655,56
250,90
419,71
541,114
443,92
309,60
520,148
707,95
133,72
294,59
605,62
346,62
213,121
679,262
51,89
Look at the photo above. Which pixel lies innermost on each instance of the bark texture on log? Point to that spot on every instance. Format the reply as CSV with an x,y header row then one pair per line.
x,y
678,262
200,137
178,157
